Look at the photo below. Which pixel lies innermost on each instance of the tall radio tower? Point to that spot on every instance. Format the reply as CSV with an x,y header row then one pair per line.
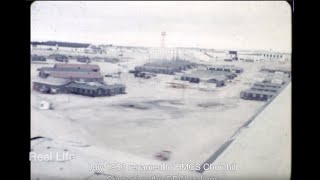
x,y
163,39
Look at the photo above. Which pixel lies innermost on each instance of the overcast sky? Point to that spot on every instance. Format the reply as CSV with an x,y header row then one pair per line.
x,y
207,24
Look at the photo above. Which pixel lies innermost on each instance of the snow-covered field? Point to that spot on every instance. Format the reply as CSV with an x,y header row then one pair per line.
x,y
132,127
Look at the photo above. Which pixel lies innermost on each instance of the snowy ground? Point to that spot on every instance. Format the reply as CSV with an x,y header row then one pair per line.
x,y
151,117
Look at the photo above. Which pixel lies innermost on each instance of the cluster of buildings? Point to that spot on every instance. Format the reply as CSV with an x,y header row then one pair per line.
x,y
215,74
268,88
84,79
165,66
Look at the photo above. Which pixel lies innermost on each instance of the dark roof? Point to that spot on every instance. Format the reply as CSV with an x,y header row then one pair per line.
x,y
62,44
94,86
206,75
226,67
50,69
77,66
232,52
267,84
258,92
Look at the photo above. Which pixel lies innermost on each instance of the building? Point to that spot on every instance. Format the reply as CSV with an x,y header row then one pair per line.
x,y
51,85
46,71
83,59
205,76
231,56
261,91
266,84
226,68
77,76
286,71
91,67
228,74
258,95
38,58
95,89
59,57
74,72
166,66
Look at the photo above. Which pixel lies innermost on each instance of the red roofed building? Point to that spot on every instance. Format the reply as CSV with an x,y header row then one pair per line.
x,y
94,68
78,76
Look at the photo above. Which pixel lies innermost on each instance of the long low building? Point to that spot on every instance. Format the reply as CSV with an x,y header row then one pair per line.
x,y
75,72
92,67
266,84
78,76
166,66
46,70
205,76
261,91
94,89
227,68
285,70
259,95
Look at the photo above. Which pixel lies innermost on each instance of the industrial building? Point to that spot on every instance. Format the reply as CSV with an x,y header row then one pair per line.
x,y
227,68
205,76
